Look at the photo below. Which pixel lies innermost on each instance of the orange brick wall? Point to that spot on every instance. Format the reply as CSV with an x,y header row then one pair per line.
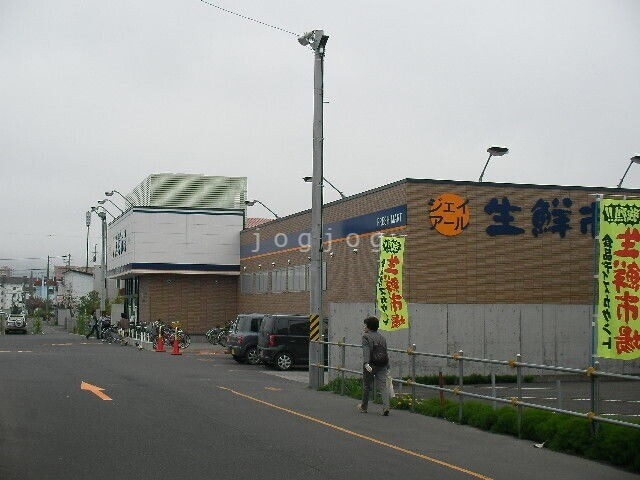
x,y
474,267
199,302
470,268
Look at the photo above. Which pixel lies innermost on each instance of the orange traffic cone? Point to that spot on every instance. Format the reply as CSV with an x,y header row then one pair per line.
x,y
176,347
159,344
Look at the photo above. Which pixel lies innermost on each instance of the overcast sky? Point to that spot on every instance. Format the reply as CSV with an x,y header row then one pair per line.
x,y
97,95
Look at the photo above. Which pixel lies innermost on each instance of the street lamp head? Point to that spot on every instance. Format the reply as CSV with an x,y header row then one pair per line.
x,y
307,179
250,203
316,39
108,194
493,152
304,40
497,151
101,202
634,159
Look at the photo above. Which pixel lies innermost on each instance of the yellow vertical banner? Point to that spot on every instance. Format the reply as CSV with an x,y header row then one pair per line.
x,y
618,280
389,294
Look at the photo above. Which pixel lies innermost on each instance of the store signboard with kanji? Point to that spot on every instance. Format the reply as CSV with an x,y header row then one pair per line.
x,y
618,323
389,294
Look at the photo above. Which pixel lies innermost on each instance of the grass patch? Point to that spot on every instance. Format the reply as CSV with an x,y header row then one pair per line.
x,y
616,445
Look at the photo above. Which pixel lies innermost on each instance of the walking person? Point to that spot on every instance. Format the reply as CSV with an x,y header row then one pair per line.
x,y
94,326
375,364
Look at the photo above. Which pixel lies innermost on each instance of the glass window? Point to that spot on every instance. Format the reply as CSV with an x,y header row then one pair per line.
x,y
297,278
255,324
279,280
261,284
246,283
282,326
299,327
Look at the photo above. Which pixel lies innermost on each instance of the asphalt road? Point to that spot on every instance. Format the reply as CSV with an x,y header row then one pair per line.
x,y
201,415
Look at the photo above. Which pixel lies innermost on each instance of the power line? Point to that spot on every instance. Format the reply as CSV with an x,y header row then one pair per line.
x,y
249,18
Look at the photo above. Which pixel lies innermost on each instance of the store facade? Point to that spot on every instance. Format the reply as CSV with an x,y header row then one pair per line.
x,y
491,269
175,250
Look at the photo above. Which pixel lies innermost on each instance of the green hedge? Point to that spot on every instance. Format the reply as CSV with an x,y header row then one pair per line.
x,y
613,444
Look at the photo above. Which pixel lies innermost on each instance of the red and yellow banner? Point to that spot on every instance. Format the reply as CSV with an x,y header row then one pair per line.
x,y
618,324
389,298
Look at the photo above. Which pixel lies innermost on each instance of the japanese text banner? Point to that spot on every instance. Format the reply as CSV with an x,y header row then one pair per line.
x,y
389,297
618,280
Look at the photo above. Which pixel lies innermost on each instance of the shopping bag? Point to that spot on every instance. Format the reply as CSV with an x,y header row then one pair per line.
x,y
392,393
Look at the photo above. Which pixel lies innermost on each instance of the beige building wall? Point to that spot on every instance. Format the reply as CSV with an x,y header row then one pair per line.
x,y
199,302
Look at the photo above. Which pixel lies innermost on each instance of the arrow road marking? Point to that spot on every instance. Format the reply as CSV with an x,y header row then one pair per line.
x,y
95,390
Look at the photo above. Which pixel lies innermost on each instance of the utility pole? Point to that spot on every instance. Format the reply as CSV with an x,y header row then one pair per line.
x,y
103,261
317,41
46,302
88,222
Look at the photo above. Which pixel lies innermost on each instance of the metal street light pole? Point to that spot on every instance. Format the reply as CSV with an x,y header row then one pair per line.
x,y
101,202
88,222
250,203
317,41
493,152
308,179
103,261
634,159
108,194
95,209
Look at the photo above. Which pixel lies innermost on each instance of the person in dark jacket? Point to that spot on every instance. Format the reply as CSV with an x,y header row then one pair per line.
x,y
371,339
94,326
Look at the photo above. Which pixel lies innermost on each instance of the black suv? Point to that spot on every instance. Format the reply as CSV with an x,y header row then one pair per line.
x,y
243,340
283,341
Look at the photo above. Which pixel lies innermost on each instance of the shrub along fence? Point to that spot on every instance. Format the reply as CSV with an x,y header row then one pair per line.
x,y
610,439
592,373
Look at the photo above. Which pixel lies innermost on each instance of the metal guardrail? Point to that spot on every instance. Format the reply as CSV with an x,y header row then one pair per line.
x,y
592,372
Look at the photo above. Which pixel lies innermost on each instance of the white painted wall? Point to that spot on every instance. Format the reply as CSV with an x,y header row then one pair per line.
x,y
175,236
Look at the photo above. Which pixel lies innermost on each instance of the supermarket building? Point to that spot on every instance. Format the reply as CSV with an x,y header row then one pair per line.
x,y
491,269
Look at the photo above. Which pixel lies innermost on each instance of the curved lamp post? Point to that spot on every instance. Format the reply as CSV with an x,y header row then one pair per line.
x,y
251,203
493,152
308,179
101,202
95,209
108,194
634,159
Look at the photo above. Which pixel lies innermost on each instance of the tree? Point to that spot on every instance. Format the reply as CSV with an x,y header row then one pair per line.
x,y
89,303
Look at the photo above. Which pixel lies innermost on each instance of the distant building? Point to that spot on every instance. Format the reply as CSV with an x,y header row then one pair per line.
x,y
75,283
13,292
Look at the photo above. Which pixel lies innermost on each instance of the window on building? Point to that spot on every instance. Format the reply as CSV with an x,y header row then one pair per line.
x,y
246,283
297,278
279,280
261,284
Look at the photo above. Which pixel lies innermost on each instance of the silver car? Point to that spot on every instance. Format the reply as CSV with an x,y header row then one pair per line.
x,y
16,323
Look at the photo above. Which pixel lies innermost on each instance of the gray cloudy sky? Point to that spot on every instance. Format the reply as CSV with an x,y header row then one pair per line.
x,y
97,95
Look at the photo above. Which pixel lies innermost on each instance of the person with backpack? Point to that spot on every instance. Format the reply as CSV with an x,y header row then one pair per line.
x,y
375,364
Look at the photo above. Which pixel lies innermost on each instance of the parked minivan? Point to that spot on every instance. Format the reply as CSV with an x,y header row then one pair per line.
x,y
283,341
243,340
